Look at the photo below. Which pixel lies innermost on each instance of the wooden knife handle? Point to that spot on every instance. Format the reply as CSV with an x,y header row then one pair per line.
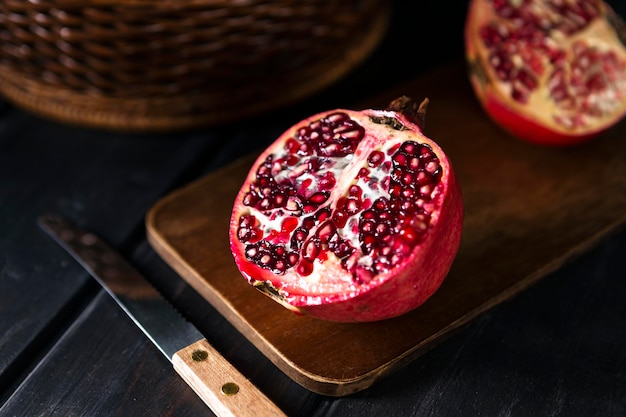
x,y
220,385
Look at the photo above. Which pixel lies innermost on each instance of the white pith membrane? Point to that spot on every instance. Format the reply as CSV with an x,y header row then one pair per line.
x,y
571,71
327,276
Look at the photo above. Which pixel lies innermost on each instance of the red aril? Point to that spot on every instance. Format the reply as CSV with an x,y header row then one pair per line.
x,y
349,216
551,72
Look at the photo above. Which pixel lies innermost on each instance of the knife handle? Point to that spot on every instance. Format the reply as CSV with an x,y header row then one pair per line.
x,y
220,385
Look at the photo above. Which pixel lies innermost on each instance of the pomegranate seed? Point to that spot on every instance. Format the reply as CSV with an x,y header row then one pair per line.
x,y
308,223
292,259
250,199
368,226
292,146
319,198
368,244
527,79
311,250
340,218
375,159
304,268
298,171
280,266
408,147
289,224
298,237
326,181
293,204
396,190
399,158
393,149
336,118
382,228
409,234
363,173
322,214
340,247
381,204
326,231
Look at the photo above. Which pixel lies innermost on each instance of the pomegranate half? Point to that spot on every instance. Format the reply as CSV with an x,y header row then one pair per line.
x,y
349,216
551,72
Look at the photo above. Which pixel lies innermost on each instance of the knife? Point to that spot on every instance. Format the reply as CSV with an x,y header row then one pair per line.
x,y
217,382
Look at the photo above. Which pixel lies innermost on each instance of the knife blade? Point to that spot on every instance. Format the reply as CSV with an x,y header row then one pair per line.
x,y
215,380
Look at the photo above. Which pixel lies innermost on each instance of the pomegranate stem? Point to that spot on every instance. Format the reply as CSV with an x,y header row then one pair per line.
x,y
408,107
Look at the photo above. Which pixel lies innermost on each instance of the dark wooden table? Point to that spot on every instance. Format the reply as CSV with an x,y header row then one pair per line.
x,y
558,348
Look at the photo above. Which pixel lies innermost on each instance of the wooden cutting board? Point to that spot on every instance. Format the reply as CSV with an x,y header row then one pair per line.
x,y
528,210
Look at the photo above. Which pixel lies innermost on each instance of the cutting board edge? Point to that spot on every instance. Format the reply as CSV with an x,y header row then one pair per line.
x,y
310,380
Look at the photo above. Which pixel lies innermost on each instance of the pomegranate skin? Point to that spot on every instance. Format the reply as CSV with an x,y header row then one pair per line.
x,y
528,129
542,50
330,292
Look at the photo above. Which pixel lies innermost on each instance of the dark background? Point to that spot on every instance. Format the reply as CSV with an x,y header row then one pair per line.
x,y
66,350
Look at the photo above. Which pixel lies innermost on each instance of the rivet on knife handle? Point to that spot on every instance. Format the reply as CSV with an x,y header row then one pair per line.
x,y
224,389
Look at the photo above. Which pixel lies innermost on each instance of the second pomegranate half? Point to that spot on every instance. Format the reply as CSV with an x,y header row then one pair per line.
x,y
551,72
350,216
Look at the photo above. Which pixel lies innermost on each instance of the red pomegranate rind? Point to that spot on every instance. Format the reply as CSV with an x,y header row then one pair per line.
x,y
349,216
528,129
550,72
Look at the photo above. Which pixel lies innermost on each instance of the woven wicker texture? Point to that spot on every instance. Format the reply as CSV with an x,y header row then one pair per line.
x,y
143,65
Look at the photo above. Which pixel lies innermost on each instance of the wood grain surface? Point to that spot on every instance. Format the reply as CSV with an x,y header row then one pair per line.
x,y
220,385
528,210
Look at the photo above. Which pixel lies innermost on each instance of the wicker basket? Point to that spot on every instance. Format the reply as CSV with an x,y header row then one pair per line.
x,y
155,65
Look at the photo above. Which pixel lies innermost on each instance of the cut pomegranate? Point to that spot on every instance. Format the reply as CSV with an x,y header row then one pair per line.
x,y
350,215
549,71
